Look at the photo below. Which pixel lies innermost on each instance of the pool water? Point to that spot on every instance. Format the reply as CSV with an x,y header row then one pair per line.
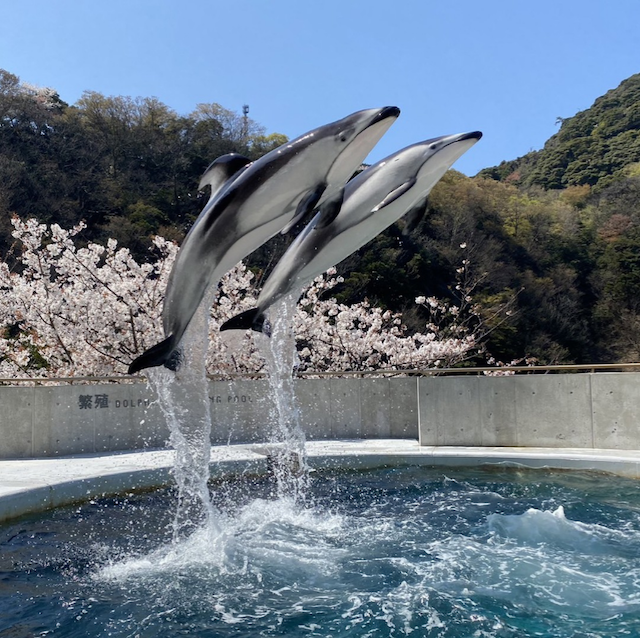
x,y
414,551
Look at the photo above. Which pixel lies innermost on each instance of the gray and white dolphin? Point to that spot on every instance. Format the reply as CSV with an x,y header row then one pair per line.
x,y
373,200
252,203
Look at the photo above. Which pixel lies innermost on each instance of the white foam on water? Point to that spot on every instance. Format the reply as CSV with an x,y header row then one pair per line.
x,y
364,572
550,527
556,532
260,533
542,562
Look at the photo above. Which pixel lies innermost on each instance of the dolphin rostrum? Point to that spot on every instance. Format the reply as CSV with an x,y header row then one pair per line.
x,y
372,200
252,203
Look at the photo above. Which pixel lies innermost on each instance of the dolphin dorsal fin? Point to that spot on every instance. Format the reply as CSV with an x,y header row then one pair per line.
x,y
305,205
394,194
330,209
221,170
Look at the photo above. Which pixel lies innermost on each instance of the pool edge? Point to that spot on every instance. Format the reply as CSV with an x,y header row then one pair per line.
x,y
29,486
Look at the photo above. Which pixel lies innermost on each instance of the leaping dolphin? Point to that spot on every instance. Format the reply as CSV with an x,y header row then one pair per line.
x,y
373,200
252,203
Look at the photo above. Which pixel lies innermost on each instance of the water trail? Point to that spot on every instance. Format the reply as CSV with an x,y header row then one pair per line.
x,y
288,456
184,399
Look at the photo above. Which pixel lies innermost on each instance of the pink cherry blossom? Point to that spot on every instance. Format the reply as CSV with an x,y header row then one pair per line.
x,y
71,311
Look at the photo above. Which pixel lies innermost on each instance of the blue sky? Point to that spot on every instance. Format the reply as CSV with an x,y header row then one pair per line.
x,y
508,69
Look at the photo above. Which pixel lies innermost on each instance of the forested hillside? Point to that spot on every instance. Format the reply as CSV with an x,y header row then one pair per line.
x,y
554,236
594,147
557,230
128,167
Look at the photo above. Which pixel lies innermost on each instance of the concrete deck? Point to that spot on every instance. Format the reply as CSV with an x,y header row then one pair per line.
x,y
34,485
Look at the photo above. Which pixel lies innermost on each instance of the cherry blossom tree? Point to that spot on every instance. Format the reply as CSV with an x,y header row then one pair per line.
x,y
69,311
72,310
334,336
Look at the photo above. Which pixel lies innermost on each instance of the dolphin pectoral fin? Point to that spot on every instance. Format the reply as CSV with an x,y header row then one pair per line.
x,y
394,194
414,216
252,319
221,170
330,209
305,205
163,353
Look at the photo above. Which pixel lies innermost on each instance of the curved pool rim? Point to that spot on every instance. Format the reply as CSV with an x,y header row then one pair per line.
x,y
29,486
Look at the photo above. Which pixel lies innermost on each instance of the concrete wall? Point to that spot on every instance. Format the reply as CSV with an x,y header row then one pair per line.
x,y
599,411
74,419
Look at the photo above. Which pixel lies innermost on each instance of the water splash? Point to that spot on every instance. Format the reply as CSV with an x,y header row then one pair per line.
x,y
262,536
287,451
389,552
386,568
183,397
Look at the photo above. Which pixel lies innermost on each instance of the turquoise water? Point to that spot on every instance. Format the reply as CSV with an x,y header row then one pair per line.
x,y
445,552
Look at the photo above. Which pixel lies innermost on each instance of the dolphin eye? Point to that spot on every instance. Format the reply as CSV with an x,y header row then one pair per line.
x,y
433,147
345,136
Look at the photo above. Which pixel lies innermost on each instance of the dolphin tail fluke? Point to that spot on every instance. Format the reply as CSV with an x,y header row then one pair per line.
x,y
163,353
251,319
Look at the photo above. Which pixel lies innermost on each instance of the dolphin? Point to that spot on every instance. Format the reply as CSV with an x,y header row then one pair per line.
x,y
372,200
251,202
